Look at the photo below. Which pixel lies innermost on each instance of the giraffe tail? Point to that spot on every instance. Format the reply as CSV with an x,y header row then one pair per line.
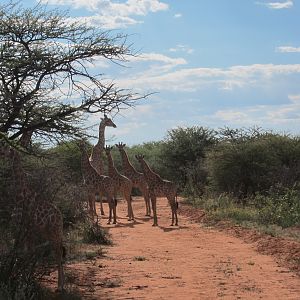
x,y
176,201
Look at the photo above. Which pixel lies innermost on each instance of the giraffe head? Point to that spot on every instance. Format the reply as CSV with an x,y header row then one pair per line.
x,y
140,157
120,145
108,149
107,122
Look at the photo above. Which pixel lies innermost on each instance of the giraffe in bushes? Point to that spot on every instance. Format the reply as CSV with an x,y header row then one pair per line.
x,y
96,158
36,216
159,187
138,179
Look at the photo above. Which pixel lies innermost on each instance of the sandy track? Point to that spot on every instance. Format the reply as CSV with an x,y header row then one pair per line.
x,y
188,262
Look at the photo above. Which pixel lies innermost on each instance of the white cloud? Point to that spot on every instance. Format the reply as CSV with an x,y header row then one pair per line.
x,y
294,98
182,48
193,79
111,14
262,115
177,15
277,5
159,58
288,49
231,115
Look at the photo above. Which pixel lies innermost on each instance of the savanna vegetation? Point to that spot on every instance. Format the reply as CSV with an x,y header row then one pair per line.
x,y
247,175
250,176
48,87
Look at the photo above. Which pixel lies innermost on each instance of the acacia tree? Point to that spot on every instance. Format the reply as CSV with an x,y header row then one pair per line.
x,y
46,85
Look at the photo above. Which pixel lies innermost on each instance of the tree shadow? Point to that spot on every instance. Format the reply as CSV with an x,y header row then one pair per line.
x,y
145,219
172,228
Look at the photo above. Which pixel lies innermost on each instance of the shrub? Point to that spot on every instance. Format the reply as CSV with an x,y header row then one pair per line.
x,y
183,154
94,234
251,164
280,209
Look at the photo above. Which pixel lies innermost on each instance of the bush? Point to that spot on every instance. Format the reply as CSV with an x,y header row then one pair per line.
x,y
249,165
94,234
183,154
20,271
282,210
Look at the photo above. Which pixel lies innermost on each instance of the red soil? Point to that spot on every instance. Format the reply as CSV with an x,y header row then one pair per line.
x,y
191,261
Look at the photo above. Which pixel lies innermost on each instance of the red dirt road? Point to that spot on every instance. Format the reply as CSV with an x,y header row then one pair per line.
x,y
186,262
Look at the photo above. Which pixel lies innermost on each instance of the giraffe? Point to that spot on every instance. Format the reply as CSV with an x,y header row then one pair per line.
x,y
122,183
39,217
138,179
159,187
96,158
94,183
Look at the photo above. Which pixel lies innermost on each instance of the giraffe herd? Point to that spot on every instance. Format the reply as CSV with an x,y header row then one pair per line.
x,y
149,183
45,219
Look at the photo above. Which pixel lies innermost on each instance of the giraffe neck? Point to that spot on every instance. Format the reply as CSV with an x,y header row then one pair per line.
x,y
86,167
149,174
111,166
101,138
127,166
96,158
22,191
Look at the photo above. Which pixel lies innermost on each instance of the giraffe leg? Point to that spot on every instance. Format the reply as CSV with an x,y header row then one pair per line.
x,y
91,205
101,204
153,200
110,210
114,207
60,270
128,198
173,208
132,215
94,208
145,193
175,211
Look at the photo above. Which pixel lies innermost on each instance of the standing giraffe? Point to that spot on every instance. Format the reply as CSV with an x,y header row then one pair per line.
x,y
96,158
39,217
122,183
159,187
138,179
94,183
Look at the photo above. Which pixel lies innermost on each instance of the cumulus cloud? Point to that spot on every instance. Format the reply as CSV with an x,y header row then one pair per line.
x,y
112,14
192,79
288,49
277,5
265,115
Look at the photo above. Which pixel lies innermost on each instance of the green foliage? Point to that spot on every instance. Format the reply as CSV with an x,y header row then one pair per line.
x,y
20,271
183,155
280,209
249,165
153,155
94,234
67,156
39,69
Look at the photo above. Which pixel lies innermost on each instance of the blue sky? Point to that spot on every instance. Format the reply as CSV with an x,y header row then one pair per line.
x,y
210,63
